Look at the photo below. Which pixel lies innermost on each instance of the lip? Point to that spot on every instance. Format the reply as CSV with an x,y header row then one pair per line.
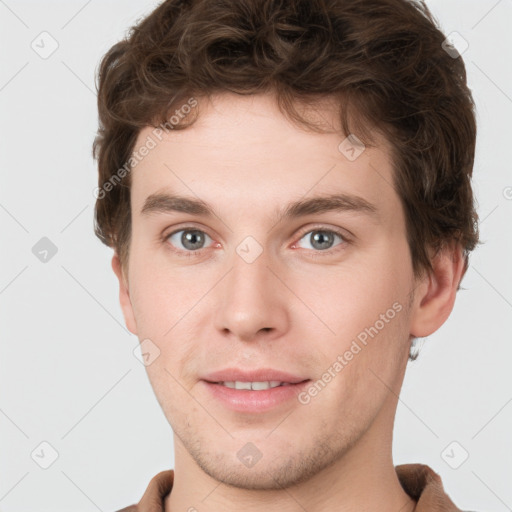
x,y
259,375
249,401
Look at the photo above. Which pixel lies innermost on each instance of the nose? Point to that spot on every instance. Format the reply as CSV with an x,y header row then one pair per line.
x,y
251,302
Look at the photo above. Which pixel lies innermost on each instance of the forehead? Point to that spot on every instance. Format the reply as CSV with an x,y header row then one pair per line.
x,y
243,150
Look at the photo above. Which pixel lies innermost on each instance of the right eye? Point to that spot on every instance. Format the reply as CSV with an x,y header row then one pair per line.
x,y
191,240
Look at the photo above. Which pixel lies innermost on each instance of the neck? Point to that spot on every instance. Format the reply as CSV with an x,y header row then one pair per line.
x,y
363,478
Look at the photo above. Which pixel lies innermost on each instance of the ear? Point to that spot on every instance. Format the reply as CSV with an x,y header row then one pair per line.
x,y
435,293
124,294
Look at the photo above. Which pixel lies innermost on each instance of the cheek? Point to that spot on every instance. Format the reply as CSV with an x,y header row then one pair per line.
x,y
366,306
350,300
154,296
147,308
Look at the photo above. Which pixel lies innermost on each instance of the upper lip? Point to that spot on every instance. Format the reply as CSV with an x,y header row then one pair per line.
x,y
259,375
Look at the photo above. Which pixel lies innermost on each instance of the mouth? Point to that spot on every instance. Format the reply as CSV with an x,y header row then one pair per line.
x,y
255,397
255,385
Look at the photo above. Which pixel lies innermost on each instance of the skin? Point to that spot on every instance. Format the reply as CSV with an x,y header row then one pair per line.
x,y
295,308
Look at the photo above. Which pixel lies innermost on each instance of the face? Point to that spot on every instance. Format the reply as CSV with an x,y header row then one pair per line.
x,y
320,290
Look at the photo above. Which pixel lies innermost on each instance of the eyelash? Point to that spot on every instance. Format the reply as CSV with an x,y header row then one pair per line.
x,y
327,252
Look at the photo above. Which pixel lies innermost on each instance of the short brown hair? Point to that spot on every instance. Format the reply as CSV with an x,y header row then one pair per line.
x,y
383,61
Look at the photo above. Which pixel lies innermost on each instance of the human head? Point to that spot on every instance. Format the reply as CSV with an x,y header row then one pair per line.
x,y
375,69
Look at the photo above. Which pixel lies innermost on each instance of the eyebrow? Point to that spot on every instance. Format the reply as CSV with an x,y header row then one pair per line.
x,y
169,203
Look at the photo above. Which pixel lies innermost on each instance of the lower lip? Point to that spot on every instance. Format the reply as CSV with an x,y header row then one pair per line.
x,y
244,400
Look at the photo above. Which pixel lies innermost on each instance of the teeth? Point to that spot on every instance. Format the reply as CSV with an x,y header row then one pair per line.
x,y
253,385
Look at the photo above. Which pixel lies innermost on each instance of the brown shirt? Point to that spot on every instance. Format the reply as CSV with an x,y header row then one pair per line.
x,y
418,480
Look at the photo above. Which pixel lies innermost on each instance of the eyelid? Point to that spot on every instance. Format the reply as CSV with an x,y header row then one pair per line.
x,y
343,233
186,227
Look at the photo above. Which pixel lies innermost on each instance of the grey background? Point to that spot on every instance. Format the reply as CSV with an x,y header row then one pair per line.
x,y
68,375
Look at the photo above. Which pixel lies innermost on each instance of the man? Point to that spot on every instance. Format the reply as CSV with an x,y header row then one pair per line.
x,y
286,186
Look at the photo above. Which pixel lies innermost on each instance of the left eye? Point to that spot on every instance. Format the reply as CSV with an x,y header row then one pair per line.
x,y
191,239
321,239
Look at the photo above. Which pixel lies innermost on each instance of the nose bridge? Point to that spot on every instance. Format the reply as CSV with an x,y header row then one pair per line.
x,y
250,300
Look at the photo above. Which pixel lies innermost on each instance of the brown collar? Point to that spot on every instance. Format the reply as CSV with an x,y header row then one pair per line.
x,y
424,486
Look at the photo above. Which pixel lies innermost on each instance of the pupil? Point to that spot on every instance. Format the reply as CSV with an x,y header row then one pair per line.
x,y
320,240
190,239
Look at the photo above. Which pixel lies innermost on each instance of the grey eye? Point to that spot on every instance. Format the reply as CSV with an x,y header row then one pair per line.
x,y
190,239
321,239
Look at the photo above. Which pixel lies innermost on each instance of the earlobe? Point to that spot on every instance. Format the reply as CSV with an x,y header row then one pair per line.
x,y
124,294
436,292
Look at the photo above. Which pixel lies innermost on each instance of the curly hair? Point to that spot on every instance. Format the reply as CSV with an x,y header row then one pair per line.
x,y
385,62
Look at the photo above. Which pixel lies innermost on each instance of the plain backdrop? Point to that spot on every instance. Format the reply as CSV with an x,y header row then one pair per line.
x,y
68,375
